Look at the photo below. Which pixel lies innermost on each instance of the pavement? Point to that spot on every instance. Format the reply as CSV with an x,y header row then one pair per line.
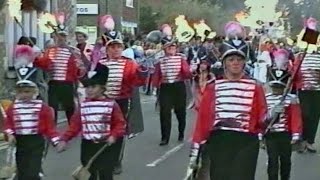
x,y
145,160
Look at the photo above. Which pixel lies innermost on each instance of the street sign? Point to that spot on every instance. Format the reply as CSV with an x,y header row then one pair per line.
x,y
87,9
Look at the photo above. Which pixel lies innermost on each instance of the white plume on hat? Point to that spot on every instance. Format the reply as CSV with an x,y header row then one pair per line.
x,y
23,56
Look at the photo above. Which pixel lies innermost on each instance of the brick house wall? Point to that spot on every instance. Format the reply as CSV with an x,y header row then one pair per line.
x,y
130,14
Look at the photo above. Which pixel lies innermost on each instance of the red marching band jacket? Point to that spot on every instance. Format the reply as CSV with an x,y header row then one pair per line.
x,y
96,120
308,74
124,75
31,118
289,121
171,69
61,63
231,105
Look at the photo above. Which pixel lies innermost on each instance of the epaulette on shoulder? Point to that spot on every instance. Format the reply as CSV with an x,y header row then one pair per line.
x,y
125,58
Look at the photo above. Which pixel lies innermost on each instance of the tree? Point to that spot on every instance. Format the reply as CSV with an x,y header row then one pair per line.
x,y
148,19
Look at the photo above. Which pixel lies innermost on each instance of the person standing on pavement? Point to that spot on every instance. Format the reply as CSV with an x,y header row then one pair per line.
x,y
28,121
84,47
124,76
65,67
171,71
308,85
288,129
100,121
231,115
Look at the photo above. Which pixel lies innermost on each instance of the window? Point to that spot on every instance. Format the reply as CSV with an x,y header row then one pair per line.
x,y
129,3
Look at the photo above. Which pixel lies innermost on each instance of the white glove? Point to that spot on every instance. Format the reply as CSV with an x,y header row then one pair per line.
x,y
279,108
295,137
218,64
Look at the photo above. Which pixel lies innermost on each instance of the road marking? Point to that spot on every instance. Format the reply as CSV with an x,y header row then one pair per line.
x,y
165,156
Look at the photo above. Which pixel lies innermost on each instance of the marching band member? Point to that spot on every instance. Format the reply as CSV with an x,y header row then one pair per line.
x,y
24,57
308,85
231,115
28,121
171,71
124,75
99,120
288,129
65,67
202,78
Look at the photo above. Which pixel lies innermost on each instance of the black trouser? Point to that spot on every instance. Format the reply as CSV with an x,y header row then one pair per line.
x,y
279,149
29,156
172,96
104,163
233,155
149,87
310,106
204,171
62,93
124,106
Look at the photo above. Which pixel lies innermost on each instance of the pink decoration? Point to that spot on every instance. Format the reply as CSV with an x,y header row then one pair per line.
x,y
23,55
24,50
166,29
234,28
312,23
281,58
60,17
107,22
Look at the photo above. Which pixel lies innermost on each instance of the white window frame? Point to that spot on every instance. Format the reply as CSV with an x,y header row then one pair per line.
x,y
130,3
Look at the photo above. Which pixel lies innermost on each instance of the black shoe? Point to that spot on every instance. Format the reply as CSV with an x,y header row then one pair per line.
x,y
117,170
181,137
303,147
164,143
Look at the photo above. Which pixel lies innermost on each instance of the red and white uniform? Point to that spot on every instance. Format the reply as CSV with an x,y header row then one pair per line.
x,y
61,63
231,105
308,77
124,76
97,120
290,120
31,118
171,69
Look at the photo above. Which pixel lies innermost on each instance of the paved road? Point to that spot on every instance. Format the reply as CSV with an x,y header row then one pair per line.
x,y
144,150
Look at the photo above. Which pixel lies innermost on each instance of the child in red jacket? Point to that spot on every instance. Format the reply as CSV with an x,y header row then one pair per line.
x,y
28,121
100,121
288,127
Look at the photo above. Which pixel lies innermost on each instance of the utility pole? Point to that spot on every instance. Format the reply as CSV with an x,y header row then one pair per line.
x,y
138,15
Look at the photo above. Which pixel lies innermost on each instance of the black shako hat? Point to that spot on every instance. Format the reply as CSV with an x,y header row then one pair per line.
x,y
99,76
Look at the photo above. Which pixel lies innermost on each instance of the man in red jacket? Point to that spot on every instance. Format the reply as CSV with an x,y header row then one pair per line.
x,y
124,75
64,65
170,73
231,115
28,121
